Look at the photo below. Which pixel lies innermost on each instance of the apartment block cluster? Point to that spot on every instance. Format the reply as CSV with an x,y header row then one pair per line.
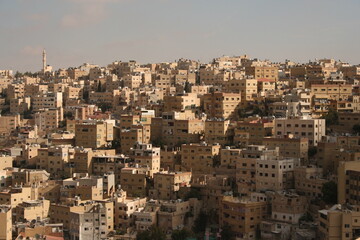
x,y
264,150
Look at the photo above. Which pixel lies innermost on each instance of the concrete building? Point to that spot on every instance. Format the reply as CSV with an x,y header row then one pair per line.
x,y
199,158
218,131
5,222
94,135
47,100
167,184
289,147
260,72
221,105
124,208
348,173
243,216
134,180
29,177
181,102
309,181
247,170
28,211
340,222
147,155
48,120
276,174
288,207
313,129
247,88
252,132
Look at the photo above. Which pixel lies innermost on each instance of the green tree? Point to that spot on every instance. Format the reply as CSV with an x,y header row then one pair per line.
x,y
329,192
154,233
99,88
356,128
193,193
187,87
312,151
105,106
306,218
18,74
180,234
331,118
200,223
226,233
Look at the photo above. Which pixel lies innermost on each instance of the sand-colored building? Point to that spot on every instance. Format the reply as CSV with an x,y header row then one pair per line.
x,y
289,147
199,158
243,216
218,131
221,105
309,181
94,135
260,72
340,222
5,222
181,102
288,207
31,210
313,129
167,184
124,207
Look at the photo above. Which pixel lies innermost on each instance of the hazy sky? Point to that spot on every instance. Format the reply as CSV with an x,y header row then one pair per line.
x,y
101,31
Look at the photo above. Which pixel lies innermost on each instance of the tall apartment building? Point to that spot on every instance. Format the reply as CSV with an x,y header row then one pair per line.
x,y
47,100
199,158
340,222
181,102
243,216
313,129
140,133
230,157
9,123
134,180
124,208
54,159
275,174
48,119
348,180
147,155
132,81
252,132
221,105
289,147
19,105
5,222
259,72
94,134
218,131
247,169
167,184
288,207
246,87
336,92
309,181
84,220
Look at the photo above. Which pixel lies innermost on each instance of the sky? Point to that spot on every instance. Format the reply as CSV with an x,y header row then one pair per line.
x,y
74,32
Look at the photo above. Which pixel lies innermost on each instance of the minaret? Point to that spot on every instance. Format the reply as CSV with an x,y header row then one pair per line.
x,y
44,61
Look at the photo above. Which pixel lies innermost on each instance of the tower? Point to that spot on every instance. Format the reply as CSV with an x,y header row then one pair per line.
x,y
44,61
